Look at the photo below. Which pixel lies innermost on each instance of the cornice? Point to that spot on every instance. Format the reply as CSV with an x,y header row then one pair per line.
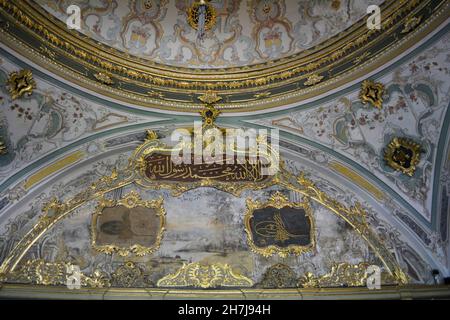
x,y
32,32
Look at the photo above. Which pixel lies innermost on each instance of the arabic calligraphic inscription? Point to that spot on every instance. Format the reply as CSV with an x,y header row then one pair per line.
x,y
159,166
279,226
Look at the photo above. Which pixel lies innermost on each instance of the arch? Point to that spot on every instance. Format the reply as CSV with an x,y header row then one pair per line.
x,y
55,211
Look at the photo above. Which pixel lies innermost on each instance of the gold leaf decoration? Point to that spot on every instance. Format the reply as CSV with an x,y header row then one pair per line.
x,y
210,97
372,92
130,201
278,201
21,83
403,155
104,78
313,80
343,274
210,14
205,276
411,23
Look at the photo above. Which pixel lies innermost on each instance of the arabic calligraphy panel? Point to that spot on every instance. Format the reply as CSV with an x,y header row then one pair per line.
x,y
159,166
279,226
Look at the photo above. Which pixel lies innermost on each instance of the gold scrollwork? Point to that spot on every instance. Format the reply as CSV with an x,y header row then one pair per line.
x,y
210,97
341,275
372,92
205,276
104,78
130,201
21,83
54,211
55,273
276,229
193,13
403,155
411,23
313,80
3,148
151,135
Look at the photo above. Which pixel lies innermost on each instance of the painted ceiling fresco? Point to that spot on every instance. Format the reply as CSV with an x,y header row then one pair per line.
x,y
415,105
75,190
246,32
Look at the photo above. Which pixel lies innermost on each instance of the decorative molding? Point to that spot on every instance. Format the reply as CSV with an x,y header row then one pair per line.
x,y
341,275
276,228
176,86
403,155
411,23
21,83
358,179
210,14
205,276
372,92
55,210
130,201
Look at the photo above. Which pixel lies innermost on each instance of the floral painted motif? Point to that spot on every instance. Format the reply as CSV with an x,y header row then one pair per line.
x,y
415,103
245,32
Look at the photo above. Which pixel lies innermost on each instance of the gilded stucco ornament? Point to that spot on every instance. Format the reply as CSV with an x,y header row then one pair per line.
x,y
3,148
56,210
372,92
313,80
209,113
342,275
151,135
21,83
411,23
104,78
40,272
272,234
205,276
279,276
209,97
131,201
178,84
194,15
403,155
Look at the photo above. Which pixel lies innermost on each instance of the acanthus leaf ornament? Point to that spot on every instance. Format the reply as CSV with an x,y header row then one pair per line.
x,y
313,80
372,92
3,148
205,276
411,23
21,83
209,97
201,16
104,78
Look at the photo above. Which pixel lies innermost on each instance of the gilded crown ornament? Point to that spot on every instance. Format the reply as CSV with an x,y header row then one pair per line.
x,y
209,113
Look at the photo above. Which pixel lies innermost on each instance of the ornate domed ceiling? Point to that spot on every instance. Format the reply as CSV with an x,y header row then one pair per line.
x,y
244,33
258,54
363,124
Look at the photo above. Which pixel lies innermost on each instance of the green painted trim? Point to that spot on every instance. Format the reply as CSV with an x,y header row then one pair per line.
x,y
438,166
47,158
